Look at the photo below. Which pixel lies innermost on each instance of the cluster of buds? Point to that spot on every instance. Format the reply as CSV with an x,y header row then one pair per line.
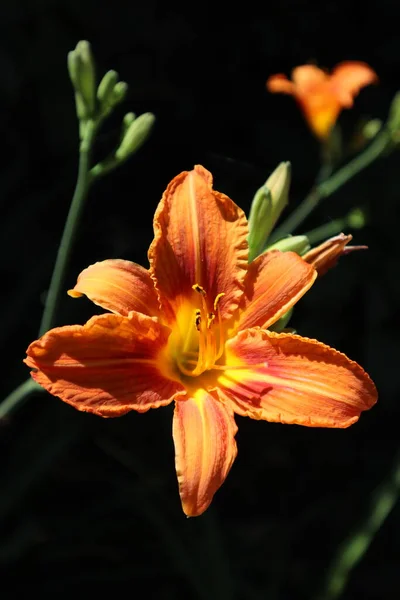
x,y
94,103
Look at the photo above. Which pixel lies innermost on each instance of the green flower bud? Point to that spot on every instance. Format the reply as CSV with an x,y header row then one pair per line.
x,y
118,93
292,243
136,134
356,219
267,206
73,68
127,122
82,73
371,128
105,91
393,122
259,213
279,183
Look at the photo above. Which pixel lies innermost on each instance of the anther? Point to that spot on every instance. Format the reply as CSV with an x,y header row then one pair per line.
x,y
198,319
197,288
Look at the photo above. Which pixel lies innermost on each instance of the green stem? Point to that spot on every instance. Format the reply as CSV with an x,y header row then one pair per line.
x,y
330,185
354,548
326,231
70,229
17,396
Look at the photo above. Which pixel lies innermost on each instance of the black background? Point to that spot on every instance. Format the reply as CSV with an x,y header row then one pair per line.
x,y
91,505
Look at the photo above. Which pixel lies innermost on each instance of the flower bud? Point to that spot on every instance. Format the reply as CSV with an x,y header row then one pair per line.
x,y
118,93
293,243
135,135
105,91
356,218
278,184
127,122
82,73
393,122
268,203
259,214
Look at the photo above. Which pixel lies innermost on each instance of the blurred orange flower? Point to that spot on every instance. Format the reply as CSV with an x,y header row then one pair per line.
x,y
194,329
322,96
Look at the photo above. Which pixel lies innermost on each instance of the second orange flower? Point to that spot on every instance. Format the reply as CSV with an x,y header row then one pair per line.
x,y
321,95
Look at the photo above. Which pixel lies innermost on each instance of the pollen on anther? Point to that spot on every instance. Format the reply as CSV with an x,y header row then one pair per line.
x,y
198,319
197,288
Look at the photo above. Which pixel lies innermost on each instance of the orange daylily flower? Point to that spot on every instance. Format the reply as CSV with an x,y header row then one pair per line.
x,y
322,96
194,329
326,255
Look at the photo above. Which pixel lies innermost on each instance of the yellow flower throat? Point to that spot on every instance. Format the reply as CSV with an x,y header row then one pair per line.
x,y
197,341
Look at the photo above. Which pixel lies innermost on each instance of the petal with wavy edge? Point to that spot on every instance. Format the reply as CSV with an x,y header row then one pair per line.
x,y
108,366
119,286
291,379
200,238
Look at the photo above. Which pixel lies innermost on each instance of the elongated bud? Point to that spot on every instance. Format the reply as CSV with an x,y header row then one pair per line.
x,y
267,206
135,135
292,243
105,91
259,215
393,122
81,69
279,183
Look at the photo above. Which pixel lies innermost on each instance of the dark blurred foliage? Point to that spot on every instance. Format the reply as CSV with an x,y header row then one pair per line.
x,y
90,505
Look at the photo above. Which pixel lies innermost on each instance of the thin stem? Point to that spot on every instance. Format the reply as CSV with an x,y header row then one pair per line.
x,y
17,396
330,185
326,231
355,547
70,229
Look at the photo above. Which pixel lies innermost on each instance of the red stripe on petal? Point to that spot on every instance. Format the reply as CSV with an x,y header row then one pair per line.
x,y
199,238
291,379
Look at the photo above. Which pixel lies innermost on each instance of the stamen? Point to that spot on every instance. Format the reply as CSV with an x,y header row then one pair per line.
x,y
197,288
210,319
198,319
217,299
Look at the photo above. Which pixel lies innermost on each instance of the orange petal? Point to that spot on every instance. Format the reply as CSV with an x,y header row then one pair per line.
x,y
314,92
326,255
119,286
108,366
275,282
307,77
200,238
301,381
280,83
205,448
349,77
